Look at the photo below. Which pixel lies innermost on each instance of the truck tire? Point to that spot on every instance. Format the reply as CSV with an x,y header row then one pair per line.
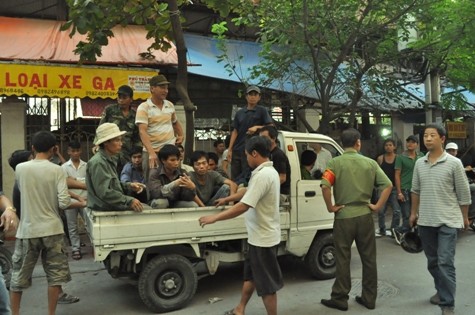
x,y
6,263
167,283
320,259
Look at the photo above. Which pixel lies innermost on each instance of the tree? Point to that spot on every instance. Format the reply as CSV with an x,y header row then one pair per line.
x,y
346,52
447,42
162,21
339,51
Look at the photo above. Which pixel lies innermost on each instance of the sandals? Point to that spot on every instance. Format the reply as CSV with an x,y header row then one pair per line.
x,y
65,298
76,254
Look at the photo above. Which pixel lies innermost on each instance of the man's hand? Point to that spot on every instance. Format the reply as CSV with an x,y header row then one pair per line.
x,y
152,160
137,187
412,220
9,220
185,181
373,207
229,157
252,130
209,219
334,208
136,205
401,197
466,223
220,202
179,139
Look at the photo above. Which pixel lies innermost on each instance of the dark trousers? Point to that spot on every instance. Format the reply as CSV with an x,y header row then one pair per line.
x,y
361,230
239,166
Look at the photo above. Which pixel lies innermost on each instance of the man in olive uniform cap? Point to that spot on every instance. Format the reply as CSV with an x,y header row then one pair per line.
x,y
123,116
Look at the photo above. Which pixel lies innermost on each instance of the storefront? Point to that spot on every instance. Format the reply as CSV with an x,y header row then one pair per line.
x,y
44,86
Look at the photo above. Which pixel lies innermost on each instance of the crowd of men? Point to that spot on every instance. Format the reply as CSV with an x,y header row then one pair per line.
x,y
138,164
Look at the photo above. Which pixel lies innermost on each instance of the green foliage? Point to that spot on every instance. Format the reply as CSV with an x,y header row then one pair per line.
x,y
95,19
347,51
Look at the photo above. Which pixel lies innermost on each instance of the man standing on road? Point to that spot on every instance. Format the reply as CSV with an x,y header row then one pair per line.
x,y
440,200
123,116
403,179
158,124
43,193
261,201
247,122
387,161
353,178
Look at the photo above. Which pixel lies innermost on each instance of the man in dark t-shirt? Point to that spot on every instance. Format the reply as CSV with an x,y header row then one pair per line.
x,y
279,159
247,122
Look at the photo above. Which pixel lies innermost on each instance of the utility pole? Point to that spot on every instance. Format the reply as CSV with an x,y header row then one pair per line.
x,y
432,97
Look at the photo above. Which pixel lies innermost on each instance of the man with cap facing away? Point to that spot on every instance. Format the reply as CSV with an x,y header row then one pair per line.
x,y
105,192
123,116
403,179
248,121
157,123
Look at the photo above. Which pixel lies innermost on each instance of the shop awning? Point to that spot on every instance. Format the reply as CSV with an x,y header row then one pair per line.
x,y
42,40
37,59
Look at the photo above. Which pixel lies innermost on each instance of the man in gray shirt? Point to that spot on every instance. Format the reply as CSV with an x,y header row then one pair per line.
x,y
440,199
210,185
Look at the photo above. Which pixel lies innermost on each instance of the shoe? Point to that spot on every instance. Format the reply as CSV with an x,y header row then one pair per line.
x,y
65,298
378,233
76,254
332,304
397,236
388,233
435,299
448,311
360,301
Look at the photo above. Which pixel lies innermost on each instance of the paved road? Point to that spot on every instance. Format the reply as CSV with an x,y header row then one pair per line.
x,y
405,287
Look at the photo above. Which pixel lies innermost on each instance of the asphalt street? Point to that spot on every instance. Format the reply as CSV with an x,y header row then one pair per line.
x,y
404,287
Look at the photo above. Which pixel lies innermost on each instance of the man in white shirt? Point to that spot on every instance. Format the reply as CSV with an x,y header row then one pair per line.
x,y
261,204
75,168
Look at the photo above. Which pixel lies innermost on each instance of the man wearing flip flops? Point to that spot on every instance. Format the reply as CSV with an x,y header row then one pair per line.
x,y
261,204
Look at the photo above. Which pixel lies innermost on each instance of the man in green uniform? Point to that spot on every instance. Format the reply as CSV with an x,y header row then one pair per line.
x,y
353,178
404,169
123,116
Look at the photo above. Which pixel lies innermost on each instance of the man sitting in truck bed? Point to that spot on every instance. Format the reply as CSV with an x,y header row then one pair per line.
x,y
210,185
169,186
105,191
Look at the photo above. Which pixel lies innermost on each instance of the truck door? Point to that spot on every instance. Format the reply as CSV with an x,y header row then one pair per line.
x,y
311,207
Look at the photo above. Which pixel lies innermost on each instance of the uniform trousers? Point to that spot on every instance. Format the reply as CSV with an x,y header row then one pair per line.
x,y
360,230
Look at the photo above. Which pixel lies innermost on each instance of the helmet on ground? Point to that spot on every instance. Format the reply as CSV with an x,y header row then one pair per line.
x,y
411,242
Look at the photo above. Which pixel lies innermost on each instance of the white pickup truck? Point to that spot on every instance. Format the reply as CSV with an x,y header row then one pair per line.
x,y
167,251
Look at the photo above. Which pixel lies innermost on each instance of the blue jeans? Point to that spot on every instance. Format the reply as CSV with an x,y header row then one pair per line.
x,y
392,200
405,211
439,246
222,192
4,297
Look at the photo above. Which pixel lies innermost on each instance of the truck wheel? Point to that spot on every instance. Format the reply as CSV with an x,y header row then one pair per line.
x,y
6,263
320,259
167,283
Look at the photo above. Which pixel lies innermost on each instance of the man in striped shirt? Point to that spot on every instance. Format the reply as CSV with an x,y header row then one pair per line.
x,y
440,199
157,123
